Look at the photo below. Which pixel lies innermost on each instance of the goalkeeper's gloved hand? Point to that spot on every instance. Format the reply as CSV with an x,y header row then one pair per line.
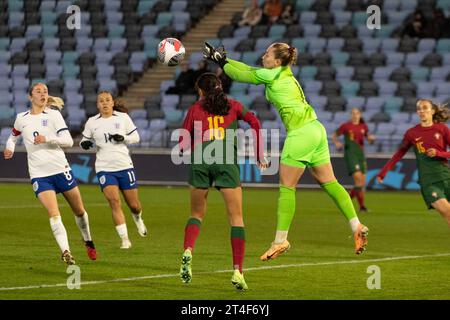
x,y
116,137
86,144
218,56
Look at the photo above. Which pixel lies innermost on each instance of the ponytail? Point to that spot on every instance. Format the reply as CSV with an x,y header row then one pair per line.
x,y
286,53
119,105
55,103
441,113
216,101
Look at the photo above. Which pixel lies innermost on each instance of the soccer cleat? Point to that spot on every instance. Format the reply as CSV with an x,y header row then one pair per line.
x,y
67,257
142,229
126,244
275,250
186,269
91,252
363,209
238,280
360,237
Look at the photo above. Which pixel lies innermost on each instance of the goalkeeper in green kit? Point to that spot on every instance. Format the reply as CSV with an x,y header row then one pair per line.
x,y
306,143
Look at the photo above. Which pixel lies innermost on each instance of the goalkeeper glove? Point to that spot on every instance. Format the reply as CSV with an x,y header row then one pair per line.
x,y
218,56
86,144
116,137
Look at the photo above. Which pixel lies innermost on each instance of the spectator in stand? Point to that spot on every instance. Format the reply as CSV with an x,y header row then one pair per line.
x,y
184,83
272,11
416,28
440,25
288,16
252,15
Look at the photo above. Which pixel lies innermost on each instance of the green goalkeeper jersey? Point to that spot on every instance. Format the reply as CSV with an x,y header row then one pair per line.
x,y
282,90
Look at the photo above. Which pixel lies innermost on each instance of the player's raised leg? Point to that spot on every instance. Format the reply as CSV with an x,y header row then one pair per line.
x,y
131,197
192,231
50,203
111,193
289,177
325,177
73,197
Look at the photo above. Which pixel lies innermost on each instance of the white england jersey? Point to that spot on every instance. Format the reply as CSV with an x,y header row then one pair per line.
x,y
111,155
45,159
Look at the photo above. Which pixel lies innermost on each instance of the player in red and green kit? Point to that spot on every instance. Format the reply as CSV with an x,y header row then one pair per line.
x,y
211,124
306,144
355,132
430,140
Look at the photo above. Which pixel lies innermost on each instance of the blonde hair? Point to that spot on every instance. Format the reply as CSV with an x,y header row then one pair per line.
x,y
55,102
441,111
286,53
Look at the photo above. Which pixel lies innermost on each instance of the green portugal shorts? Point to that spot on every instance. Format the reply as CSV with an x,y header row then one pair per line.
x,y
306,146
435,191
203,176
355,161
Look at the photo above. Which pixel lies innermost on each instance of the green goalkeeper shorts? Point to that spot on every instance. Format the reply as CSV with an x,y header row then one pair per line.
x,y
203,176
306,146
435,191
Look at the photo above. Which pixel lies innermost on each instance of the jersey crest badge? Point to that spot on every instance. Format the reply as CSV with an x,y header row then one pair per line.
x,y
44,122
434,195
102,180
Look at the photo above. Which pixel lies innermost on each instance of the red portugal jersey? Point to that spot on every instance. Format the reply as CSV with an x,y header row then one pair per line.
x,y
354,133
431,169
206,128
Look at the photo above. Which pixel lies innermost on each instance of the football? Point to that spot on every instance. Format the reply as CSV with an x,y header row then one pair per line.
x,y
171,52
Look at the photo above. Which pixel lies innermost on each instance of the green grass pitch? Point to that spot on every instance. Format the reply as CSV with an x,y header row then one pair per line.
x,y
409,244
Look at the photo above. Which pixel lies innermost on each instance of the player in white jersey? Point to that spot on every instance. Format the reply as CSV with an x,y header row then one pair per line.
x,y
44,132
112,130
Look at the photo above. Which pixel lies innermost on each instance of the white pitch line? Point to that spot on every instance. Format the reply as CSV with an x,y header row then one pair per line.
x,y
25,206
300,265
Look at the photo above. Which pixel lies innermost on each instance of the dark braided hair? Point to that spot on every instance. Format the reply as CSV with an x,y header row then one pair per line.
x,y
119,104
215,101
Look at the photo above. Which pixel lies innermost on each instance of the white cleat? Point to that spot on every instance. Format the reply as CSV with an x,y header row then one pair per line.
x,y
142,229
126,244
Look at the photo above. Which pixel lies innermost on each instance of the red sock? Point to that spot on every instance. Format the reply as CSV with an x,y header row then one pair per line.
x,y
238,247
360,197
191,233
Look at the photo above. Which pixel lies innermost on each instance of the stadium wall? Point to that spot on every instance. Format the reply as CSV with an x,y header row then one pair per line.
x,y
157,168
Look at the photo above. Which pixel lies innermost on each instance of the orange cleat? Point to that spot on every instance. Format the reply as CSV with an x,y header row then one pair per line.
x,y
275,250
360,237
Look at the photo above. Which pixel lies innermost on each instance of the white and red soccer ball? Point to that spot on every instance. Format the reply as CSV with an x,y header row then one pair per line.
x,y
171,52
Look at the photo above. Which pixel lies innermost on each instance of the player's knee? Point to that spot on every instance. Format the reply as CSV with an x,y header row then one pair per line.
x,y
135,207
114,202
